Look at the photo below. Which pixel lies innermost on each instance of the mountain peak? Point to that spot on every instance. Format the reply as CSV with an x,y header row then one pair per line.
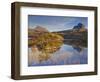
x,y
40,29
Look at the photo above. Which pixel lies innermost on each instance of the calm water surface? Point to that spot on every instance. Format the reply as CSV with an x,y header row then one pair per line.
x,y
66,55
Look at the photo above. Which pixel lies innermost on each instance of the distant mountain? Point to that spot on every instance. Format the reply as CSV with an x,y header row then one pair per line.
x,y
40,29
76,29
37,31
79,28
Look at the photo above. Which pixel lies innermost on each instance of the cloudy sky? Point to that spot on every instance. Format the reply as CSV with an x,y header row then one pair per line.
x,y
55,23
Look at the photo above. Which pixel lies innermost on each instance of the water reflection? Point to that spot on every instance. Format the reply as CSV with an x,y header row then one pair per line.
x,y
66,55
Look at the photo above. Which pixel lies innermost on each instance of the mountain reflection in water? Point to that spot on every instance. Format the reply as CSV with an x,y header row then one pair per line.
x,y
66,55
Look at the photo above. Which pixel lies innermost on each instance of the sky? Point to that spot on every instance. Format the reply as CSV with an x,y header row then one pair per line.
x,y
55,23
